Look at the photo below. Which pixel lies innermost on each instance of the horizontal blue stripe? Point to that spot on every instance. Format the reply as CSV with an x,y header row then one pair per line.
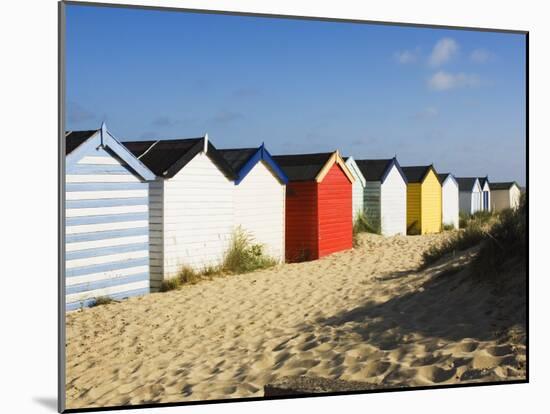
x,y
109,202
100,284
108,218
102,235
105,267
86,303
86,169
105,186
103,251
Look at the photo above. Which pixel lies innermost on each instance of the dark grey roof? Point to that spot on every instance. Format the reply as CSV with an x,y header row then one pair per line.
x,y
503,185
482,181
167,157
373,170
302,167
442,177
417,173
237,157
466,183
73,139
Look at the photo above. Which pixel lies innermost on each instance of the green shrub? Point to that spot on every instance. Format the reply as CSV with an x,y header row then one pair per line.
x,y
460,241
506,241
463,219
243,256
362,224
186,275
413,229
448,227
102,300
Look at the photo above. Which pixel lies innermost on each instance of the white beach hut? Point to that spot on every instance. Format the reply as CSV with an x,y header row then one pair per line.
x,y
259,200
191,204
449,199
106,220
485,193
358,187
505,195
469,194
385,195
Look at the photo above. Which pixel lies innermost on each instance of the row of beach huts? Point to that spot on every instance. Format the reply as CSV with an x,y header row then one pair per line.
x,y
136,212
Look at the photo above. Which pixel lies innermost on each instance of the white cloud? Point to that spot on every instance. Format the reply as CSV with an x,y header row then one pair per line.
x,y
481,56
406,56
442,81
443,51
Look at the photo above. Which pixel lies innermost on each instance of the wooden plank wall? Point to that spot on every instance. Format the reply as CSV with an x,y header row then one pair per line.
x,y
107,224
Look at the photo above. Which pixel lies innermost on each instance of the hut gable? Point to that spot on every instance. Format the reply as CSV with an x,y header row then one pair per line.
x,y
191,204
385,195
259,199
505,195
469,194
318,205
423,199
449,199
106,220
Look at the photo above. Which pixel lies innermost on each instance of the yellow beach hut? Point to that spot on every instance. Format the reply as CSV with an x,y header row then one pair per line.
x,y
423,200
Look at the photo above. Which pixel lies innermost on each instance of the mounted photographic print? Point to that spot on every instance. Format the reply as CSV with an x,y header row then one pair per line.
x,y
257,207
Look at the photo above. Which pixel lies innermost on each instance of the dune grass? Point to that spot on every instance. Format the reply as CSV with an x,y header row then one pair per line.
x,y
362,224
502,237
102,300
242,256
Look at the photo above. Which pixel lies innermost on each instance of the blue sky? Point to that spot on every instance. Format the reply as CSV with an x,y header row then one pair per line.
x,y
449,97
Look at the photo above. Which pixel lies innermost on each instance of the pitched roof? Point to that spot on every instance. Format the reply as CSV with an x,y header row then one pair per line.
x,y
302,167
243,160
416,174
73,139
237,157
167,157
373,170
482,181
442,177
503,185
466,183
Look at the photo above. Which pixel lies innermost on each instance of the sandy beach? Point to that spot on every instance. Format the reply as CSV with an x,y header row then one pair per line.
x,y
363,315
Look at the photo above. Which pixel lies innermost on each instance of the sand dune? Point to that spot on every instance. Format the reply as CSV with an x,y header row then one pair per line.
x,y
364,315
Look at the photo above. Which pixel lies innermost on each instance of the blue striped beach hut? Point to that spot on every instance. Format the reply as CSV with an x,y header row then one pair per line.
x,y
106,219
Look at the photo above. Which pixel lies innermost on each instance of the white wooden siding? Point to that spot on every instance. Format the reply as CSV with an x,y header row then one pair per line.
x,y
197,217
449,194
358,189
259,208
393,204
503,199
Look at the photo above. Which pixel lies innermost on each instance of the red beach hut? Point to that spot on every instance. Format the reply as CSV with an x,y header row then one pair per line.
x,y
318,217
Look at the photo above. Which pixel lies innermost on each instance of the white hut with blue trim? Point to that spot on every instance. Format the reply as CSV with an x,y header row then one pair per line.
x,y
191,204
449,199
358,188
259,201
107,219
485,193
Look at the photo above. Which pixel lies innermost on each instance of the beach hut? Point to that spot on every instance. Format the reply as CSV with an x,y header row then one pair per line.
x,y
423,200
259,200
485,193
449,199
191,204
318,218
358,187
106,219
385,195
505,195
469,194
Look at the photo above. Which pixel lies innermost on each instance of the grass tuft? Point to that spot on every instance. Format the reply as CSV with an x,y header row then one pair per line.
x,y
243,256
102,300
